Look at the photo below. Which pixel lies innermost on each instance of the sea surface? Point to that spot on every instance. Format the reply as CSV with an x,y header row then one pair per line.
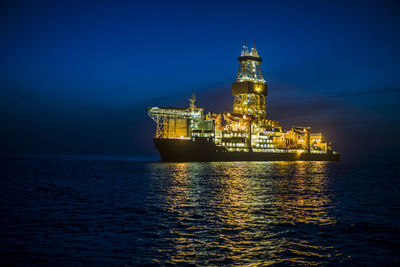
x,y
70,211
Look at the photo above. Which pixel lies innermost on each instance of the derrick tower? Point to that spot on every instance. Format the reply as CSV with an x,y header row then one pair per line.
x,y
249,89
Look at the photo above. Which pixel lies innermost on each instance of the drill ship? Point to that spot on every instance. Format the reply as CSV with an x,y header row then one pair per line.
x,y
244,134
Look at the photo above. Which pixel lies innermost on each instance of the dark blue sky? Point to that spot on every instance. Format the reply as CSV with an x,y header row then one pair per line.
x,y
76,77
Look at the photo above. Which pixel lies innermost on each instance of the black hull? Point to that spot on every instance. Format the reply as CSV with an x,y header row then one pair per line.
x,y
181,150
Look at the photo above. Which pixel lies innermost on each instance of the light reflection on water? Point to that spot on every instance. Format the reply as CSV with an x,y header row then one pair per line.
x,y
245,212
86,212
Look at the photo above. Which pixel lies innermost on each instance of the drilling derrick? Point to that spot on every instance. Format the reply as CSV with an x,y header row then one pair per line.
x,y
249,89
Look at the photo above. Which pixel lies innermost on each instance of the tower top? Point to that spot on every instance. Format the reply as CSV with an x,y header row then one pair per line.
x,y
253,53
249,66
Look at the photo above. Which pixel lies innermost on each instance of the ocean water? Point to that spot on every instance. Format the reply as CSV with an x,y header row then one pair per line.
x,y
73,211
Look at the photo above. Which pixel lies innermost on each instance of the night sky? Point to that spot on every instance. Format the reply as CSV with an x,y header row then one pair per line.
x,y
76,78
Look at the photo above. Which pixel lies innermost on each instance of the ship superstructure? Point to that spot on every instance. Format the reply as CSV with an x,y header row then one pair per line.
x,y
187,134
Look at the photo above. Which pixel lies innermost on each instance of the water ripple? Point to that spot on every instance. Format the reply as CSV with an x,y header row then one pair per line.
x,y
244,213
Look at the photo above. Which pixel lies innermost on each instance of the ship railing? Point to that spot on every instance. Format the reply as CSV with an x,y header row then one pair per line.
x,y
175,113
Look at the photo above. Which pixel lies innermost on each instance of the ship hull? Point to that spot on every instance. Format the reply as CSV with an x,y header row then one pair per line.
x,y
182,150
